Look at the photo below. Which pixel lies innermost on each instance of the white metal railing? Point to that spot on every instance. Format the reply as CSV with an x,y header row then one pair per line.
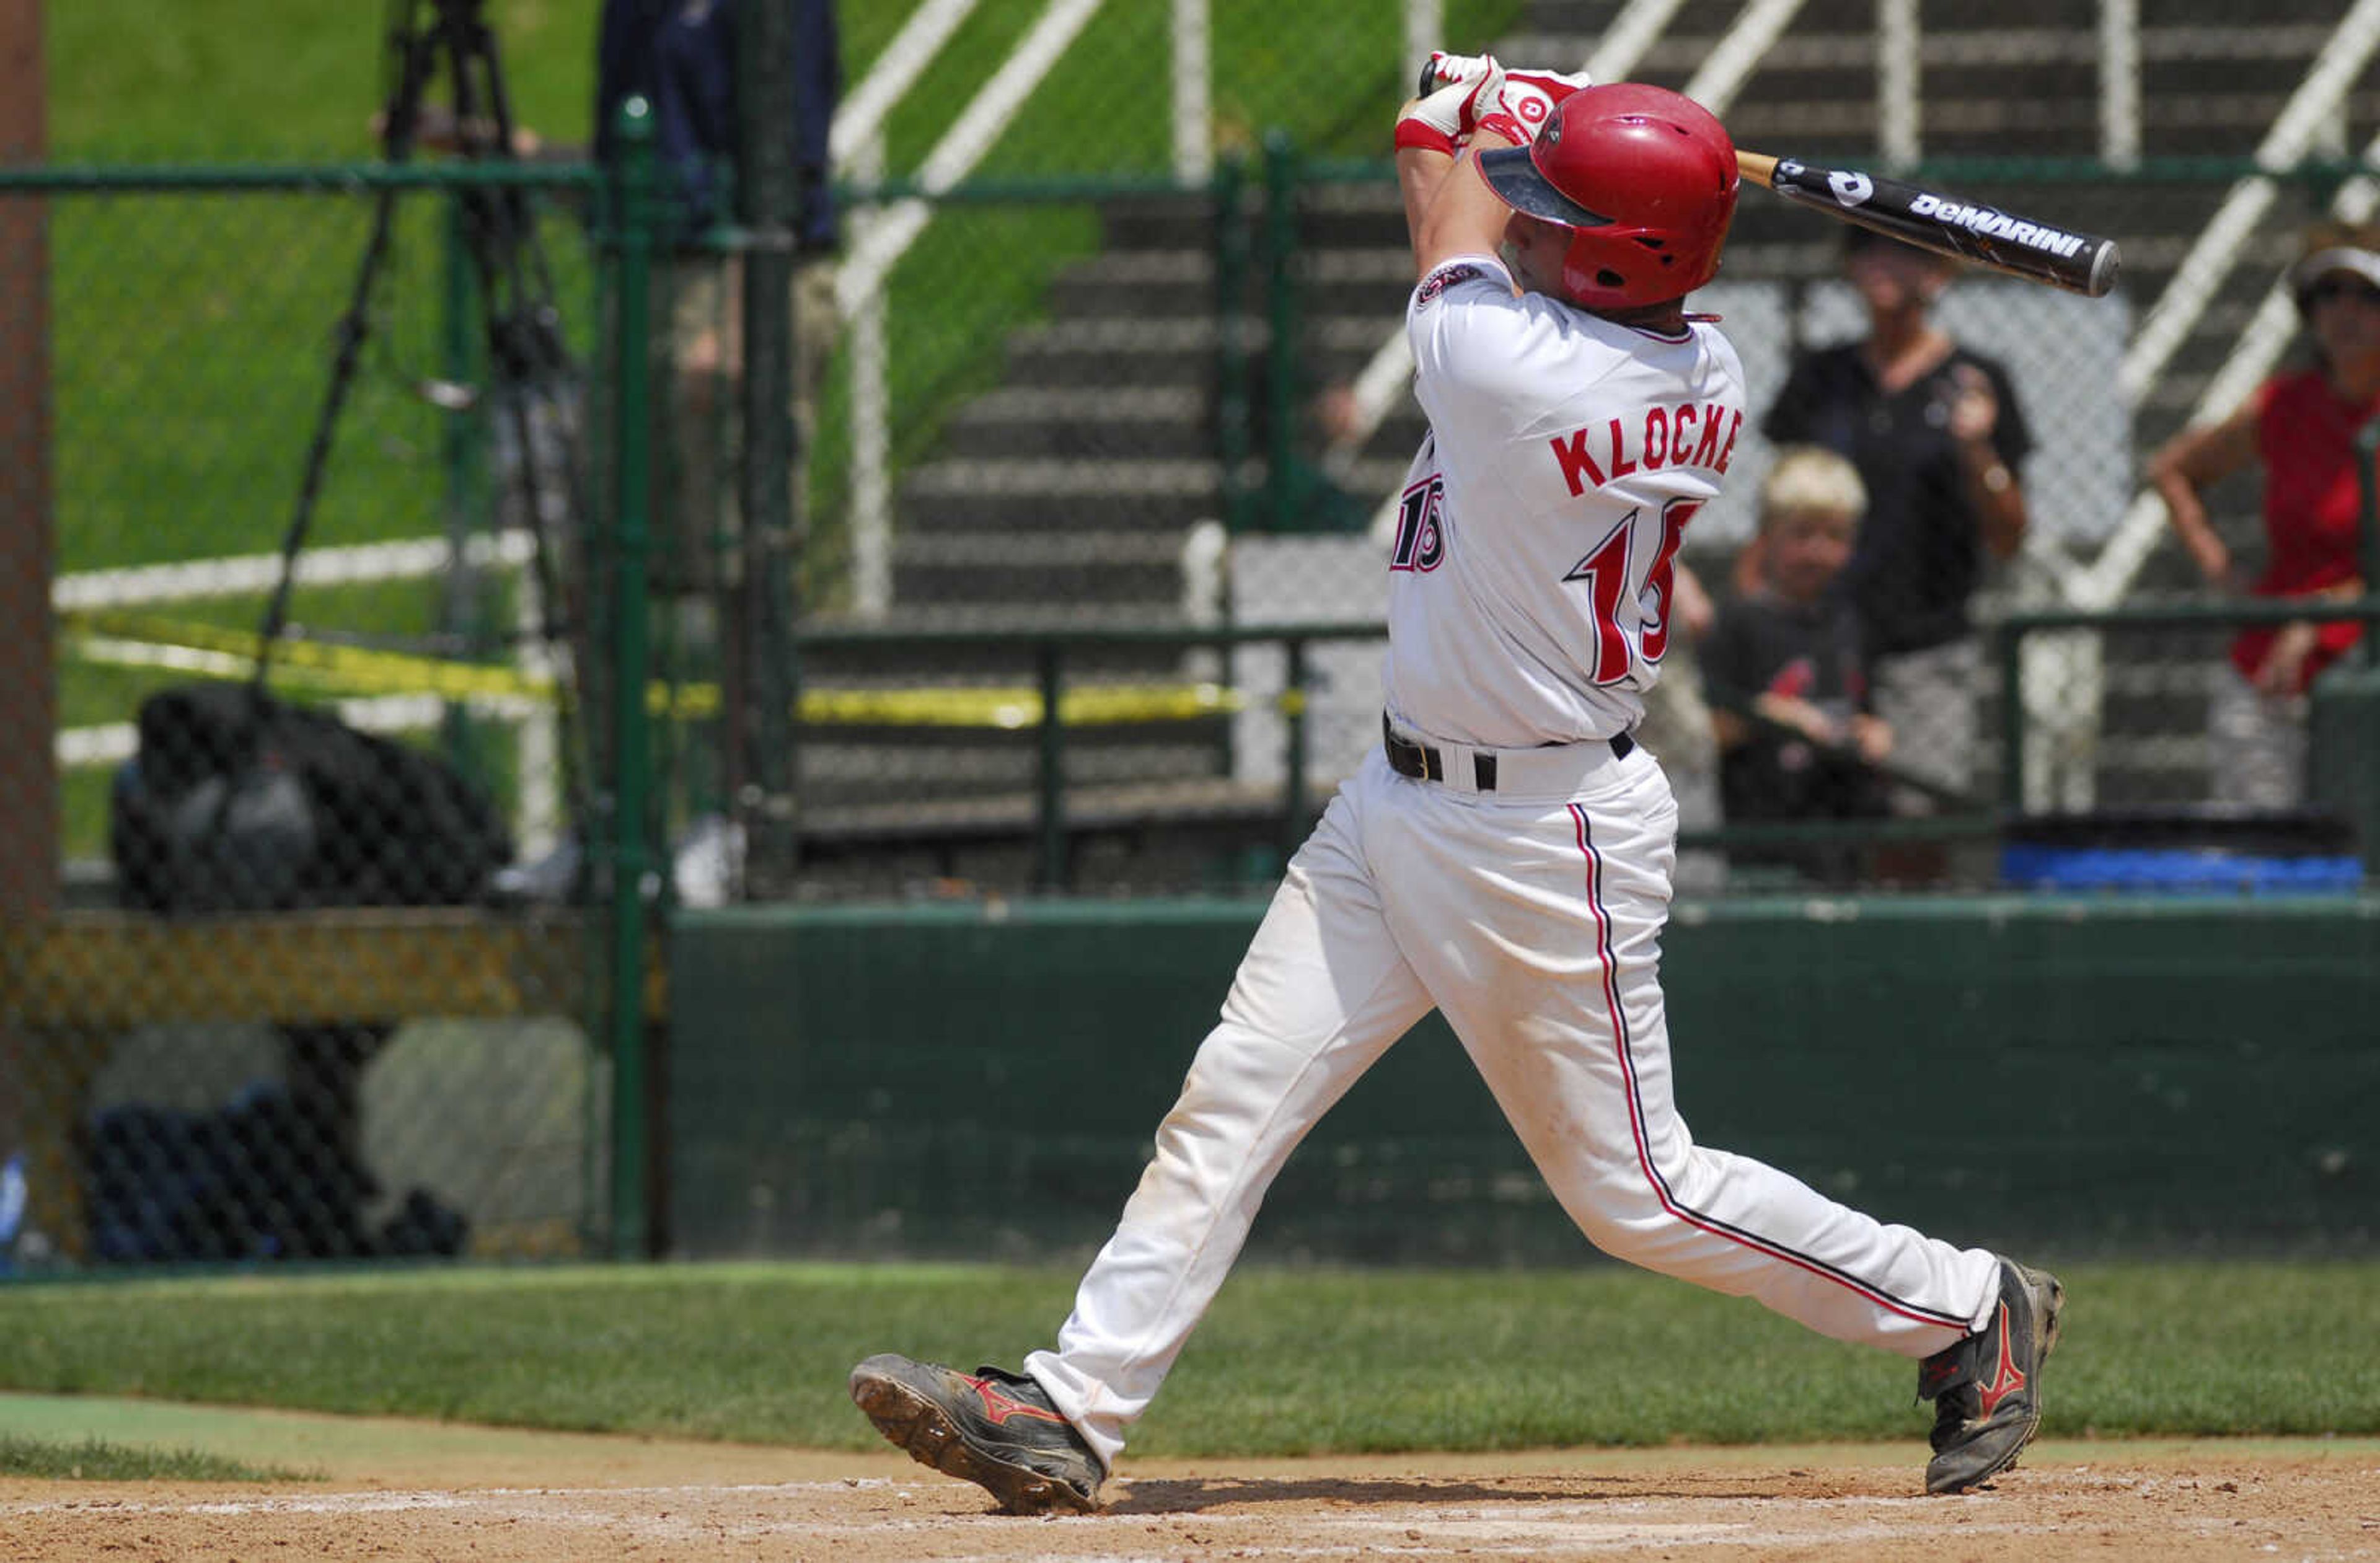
x,y
859,118
1899,67
880,239
2119,82
1193,110
2064,675
1730,64
2205,270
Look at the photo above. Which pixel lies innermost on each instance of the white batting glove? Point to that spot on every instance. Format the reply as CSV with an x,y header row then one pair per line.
x,y
1443,119
1444,70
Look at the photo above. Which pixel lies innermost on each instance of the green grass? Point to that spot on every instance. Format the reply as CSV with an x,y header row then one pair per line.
x,y
1288,1362
159,80
97,1459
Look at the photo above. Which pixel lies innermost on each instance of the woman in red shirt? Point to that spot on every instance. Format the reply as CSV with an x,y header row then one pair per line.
x,y
2300,427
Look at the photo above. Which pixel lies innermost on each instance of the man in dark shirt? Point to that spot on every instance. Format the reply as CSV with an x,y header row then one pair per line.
x,y
680,56
1939,440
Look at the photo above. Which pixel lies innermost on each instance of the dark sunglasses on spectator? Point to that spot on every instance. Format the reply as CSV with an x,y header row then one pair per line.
x,y
2337,287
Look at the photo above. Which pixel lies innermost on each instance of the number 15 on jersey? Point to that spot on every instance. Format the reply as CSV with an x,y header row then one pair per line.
x,y
1622,574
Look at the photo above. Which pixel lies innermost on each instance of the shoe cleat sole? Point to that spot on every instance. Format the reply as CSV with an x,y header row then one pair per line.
x,y
915,1424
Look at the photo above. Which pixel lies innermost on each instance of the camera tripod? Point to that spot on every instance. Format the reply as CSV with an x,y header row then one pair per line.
x,y
532,380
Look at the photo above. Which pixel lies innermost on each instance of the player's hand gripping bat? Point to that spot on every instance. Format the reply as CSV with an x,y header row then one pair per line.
x,y
2001,241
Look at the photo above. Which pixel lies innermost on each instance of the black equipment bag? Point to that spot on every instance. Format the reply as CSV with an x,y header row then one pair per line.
x,y
237,802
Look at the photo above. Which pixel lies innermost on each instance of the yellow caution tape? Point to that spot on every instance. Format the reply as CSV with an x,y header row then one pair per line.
x,y
119,635
350,669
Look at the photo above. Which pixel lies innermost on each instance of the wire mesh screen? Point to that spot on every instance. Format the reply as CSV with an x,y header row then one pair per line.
x,y
1014,403
1192,409
1100,415
281,980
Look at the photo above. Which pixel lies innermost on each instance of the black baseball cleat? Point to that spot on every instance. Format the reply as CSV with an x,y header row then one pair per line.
x,y
995,1429
1986,1389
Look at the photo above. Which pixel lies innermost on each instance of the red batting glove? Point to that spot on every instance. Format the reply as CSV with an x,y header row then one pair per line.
x,y
1526,100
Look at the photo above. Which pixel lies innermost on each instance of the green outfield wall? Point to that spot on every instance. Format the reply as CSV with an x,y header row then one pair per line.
x,y
983,1080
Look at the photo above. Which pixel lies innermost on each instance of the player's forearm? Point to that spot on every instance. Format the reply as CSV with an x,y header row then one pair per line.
x,y
1420,172
1463,216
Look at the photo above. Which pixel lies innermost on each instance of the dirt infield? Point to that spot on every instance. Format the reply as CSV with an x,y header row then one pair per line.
x,y
396,1491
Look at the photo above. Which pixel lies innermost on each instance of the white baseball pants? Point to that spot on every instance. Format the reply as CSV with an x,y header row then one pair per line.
x,y
1534,924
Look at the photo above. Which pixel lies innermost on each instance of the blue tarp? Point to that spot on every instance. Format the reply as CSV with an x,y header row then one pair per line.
x,y
2176,871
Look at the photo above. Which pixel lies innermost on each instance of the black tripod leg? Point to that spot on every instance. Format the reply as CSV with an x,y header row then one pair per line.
x,y
525,348
403,114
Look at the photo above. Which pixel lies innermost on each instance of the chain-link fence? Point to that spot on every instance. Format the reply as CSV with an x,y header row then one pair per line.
x,y
301,957
1072,410
1098,408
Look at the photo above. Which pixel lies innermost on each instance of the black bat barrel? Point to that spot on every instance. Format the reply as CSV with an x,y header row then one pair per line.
x,y
2004,241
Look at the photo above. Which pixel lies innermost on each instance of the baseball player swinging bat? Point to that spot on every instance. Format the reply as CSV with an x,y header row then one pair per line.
x,y
1999,241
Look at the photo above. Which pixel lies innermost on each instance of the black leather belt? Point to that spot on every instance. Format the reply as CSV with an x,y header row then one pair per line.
x,y
1424,762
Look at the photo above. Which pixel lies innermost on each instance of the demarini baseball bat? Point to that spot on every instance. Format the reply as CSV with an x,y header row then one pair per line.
x,y
2002,241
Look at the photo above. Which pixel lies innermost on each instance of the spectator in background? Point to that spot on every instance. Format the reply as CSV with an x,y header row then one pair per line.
x,y
1939,440
681,56
1325,492
2299,428
1787,681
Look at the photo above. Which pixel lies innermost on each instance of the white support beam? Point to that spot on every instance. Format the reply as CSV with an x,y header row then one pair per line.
x,y
871,427
2203,273
1900,62
1193,106
861,117
2119,83
969,138
1730,64
1631,34
1424,30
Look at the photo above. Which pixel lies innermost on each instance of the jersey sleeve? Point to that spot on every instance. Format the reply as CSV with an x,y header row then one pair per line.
x,y
1470,336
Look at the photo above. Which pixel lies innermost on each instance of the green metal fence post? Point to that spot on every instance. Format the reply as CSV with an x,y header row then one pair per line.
x,y
1048,656
760,735
1293,710
2006,640
1231,339
1281,316
632,477
2367,475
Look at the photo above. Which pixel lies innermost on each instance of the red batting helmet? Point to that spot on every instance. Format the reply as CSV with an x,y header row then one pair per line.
x,y
1643,177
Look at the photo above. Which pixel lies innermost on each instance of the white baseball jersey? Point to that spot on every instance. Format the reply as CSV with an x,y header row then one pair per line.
x,y
1530,577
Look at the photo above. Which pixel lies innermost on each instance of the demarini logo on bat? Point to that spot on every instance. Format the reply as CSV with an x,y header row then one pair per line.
x,y
1984,221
